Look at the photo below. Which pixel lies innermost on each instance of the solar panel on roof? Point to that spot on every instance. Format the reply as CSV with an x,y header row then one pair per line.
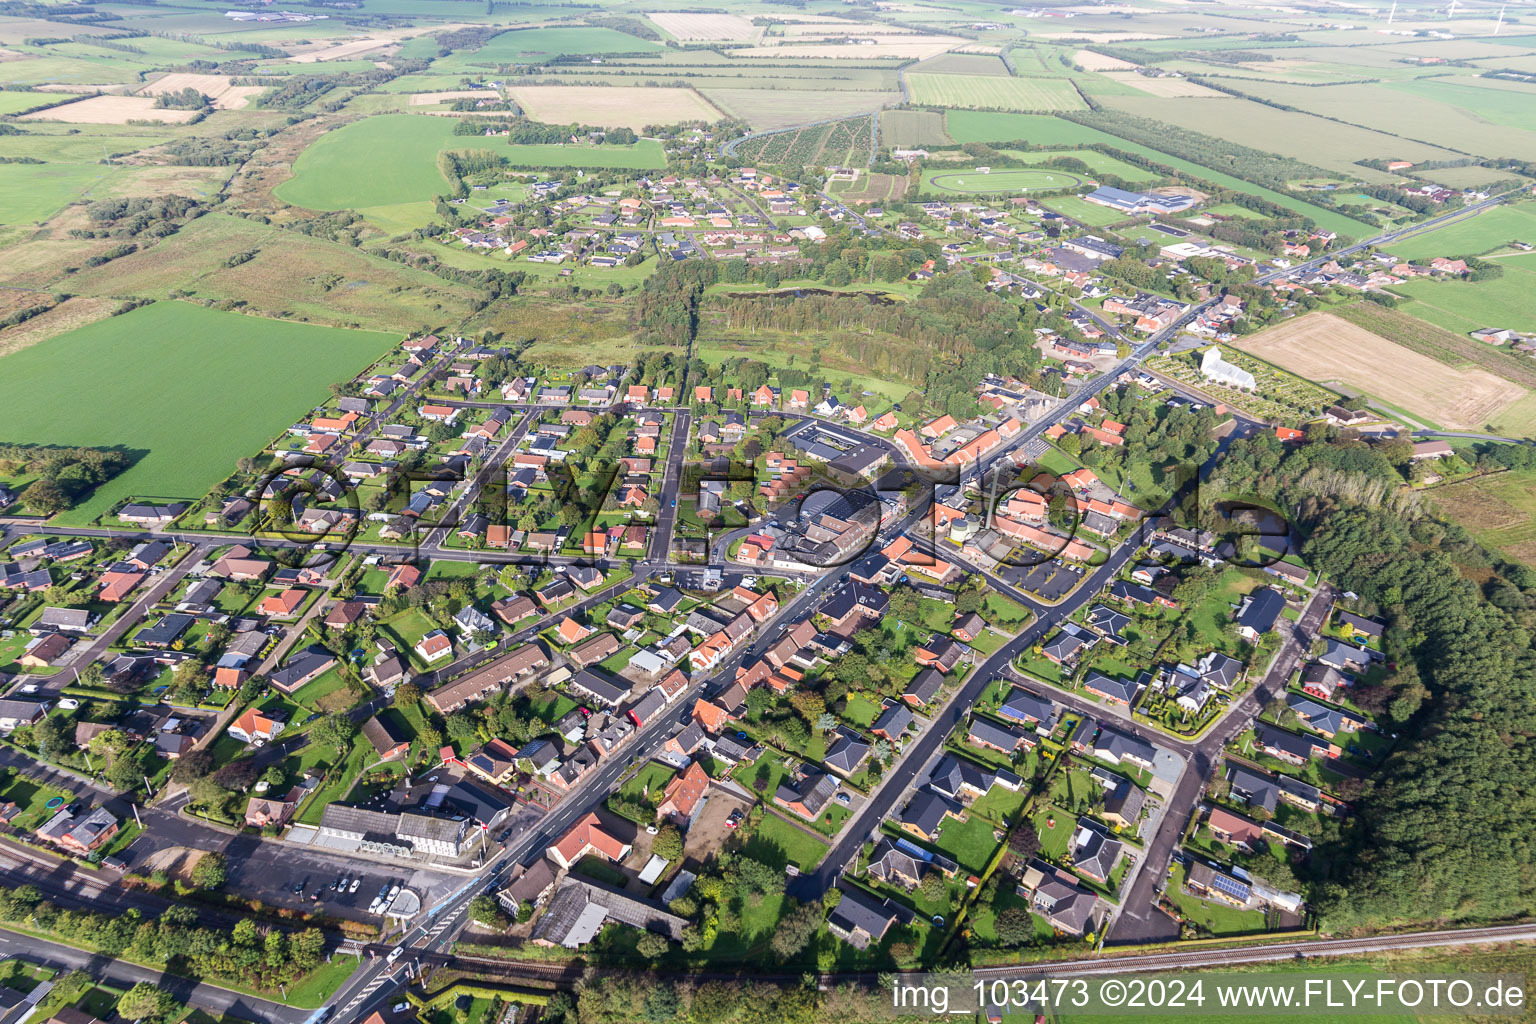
x,y
1231,886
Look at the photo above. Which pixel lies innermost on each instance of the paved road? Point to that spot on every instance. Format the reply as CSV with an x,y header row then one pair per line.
x,y
126,975
1139,921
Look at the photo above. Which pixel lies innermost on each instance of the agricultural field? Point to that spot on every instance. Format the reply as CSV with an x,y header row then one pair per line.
x,y
1001,181
341,171
1166,88
910,129
1099,162
1044,129
543,43
1331,350
1467,119
685,26
224,93
1483,232
107,384
998,93
31,193
962,64
111,110
767,108
1464,306
612,107
838,143
14,101
1499,510
1316,140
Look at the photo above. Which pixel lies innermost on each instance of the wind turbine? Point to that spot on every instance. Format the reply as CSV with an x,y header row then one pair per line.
x,y
1450,12
1392,13
1499,27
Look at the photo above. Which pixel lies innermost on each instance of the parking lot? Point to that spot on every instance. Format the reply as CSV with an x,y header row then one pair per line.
x,y
272,872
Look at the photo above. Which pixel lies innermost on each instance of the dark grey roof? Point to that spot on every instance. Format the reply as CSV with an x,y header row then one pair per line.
x,y
847,752
926,810
1024,706
1119,689
925,685
1261,610
893,721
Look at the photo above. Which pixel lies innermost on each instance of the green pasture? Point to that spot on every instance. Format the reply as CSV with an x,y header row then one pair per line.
x,y
189,389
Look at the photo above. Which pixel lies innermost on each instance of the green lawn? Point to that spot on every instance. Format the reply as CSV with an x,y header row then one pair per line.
x,y
520,44
1219,918
969,842
861,711
108,384
777,842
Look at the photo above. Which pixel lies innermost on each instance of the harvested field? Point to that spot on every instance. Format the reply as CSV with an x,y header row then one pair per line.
x,y
422,99
1330,349
216,87
631,107
111,110
1168,88
1098,62
732,27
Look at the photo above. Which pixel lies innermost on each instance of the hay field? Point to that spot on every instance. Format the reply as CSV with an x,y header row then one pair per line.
x,y
1098,62
729,27
985,91
216,87
1168,88
422,99
631,107
1329,349
111,110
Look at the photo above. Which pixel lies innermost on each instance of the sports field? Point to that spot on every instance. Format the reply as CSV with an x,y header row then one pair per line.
x,y
189,389
344,170
1002,181
1084,212
1328,349
994,91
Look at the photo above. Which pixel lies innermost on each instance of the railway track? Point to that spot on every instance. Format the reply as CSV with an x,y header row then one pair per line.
x,y
1181,960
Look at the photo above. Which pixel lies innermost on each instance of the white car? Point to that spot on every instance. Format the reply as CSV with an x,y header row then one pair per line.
x,y
355,883
394,954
